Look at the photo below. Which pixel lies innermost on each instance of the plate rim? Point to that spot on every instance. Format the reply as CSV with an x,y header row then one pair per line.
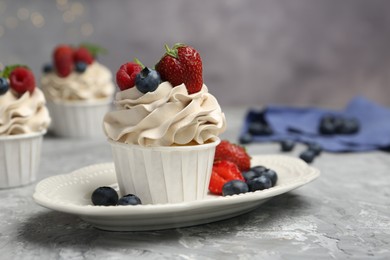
x,y
101,211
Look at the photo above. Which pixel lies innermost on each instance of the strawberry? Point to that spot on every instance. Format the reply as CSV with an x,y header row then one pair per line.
x,y
63,60
125,76
233,153
223,172
82,54
22,80
182,64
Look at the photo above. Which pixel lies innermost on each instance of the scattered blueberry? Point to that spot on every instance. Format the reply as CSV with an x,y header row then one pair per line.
x,y
234,187
4,86
246,138
256,128
47,68
315,147
287,145
259,183
308,156
81,67
271,174
350,126
129,199
104,196
147,80
332,124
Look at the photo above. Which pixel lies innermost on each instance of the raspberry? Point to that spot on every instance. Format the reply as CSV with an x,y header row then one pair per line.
x,y
125,76
22,80
63,60
82,54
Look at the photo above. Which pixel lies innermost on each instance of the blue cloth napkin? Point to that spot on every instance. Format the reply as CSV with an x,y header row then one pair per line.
x,y
301,125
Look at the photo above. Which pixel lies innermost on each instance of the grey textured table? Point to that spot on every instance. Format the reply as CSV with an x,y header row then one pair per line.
x,y
343,214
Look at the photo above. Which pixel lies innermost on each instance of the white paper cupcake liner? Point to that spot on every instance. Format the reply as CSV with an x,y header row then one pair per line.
x,y
19,159
160,175
78,119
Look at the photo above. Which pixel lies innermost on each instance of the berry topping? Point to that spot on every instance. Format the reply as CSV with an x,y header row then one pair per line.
x,y
259,183
82,54
4,86
125,76
129,199
81,67
233,153
104,196
287,145
147,80
22,80
63,60
182,64
47,68
223,171
234,187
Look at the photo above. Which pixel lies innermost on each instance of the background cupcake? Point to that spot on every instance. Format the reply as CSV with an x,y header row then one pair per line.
x,y
79,90
24,119
165,129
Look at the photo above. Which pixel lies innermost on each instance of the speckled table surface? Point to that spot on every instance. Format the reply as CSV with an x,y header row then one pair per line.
x,y
343,214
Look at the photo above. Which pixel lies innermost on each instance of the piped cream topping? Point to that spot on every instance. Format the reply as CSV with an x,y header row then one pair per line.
x,y
168,116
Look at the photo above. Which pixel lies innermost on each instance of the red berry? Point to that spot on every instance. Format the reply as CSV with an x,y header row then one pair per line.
x,y
223,172
182,64
82,54
125,76
22,80
233,153
63,60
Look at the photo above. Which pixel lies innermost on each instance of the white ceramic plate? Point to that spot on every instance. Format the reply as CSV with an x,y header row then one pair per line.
x,y
71,193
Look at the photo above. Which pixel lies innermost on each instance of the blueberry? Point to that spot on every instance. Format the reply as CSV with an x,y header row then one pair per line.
x,y
234,187
259,183
350,126
259,169
246,138
256,128
47,68
315,147
147,80
81,67
308,156
287,145
105,196
4,86
271,174
327,126
129,199
250,175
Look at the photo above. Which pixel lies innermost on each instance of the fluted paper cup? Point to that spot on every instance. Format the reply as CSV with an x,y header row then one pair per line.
x,y
78,119
19,159
160,175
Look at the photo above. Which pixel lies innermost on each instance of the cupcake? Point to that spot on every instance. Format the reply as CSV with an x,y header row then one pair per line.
x,y
78,90
24,119
165,128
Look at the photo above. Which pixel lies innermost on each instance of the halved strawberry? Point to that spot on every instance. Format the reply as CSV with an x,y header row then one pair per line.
x,y
233,153
223,172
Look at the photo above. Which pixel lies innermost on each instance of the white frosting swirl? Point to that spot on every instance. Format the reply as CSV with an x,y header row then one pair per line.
x,y
23,115
167,116
94,83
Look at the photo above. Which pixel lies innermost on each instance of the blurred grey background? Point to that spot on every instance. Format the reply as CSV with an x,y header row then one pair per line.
x,y
255,52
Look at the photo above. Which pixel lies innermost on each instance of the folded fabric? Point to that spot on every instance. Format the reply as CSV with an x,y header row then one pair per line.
x,y
301,125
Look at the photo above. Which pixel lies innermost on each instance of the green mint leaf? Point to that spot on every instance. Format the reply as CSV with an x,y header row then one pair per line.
x,y
94,49
8,69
